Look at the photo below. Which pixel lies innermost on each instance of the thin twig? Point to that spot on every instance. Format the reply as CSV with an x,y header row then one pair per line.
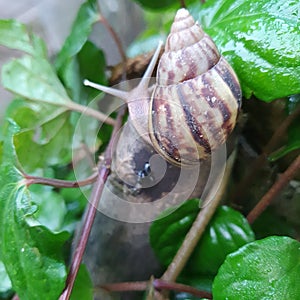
x,y
98,115
115,37
277,187
198,227
126,286
29,180
117,40
158,284
193,236
261,159
91,212
179,287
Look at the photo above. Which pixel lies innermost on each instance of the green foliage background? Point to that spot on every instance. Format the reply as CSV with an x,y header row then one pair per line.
x,y
261,40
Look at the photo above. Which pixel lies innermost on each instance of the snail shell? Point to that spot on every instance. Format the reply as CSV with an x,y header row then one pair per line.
x,y
197,96
194,105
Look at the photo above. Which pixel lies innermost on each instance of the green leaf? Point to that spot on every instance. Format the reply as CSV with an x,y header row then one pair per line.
x,y
33,115
54,147
1,151
51,213
155,4
83,287
90,64
8,150
45,131
34,78
261,40
265,269
31,253
227,231
162,4
172,221
87,16
80,59
15,35
5,283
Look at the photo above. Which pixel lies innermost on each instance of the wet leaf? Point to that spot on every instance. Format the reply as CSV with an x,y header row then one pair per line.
x,y
31,253
261,39
227,231
265,269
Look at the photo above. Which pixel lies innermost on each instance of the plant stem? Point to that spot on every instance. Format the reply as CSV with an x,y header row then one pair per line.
x,y
281,182
197,229
103,173
117,40
158,284
91,211
126,286
90,112
261,159
87,110
179,287
29,180
114,36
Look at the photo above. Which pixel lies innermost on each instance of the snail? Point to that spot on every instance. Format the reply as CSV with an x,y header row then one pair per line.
x,y
195,101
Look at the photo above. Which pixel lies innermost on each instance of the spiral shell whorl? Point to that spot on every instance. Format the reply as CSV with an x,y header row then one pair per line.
x,y
197,96
184,32
189,52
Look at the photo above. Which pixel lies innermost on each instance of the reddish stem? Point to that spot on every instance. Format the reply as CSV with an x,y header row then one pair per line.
x,y
281,182
158,284
114,36
29,180
99,185
179,287
85,232
91,212
126,286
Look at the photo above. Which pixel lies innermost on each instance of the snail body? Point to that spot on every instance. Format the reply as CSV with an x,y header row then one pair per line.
x,y
194,104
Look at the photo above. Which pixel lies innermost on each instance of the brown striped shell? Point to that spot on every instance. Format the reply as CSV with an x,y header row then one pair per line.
x,y
195,102
197,96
